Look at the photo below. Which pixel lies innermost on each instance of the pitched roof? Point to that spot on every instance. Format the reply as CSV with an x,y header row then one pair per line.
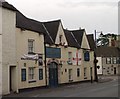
x,y
51,28
28,24
6,5
106,51
91,41
70,39
78,35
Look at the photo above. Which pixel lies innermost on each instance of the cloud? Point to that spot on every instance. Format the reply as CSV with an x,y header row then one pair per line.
x,y
77,3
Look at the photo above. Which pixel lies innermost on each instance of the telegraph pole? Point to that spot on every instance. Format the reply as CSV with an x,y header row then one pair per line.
x,y
95,60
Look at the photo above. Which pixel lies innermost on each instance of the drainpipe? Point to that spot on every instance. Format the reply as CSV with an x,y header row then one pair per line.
x,y
95,66
45,61
95,60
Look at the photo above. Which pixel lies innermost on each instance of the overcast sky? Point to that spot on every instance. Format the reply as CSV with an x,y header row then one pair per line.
x,y
101,15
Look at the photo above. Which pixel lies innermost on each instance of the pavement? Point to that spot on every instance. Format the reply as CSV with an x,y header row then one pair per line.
x,y
101,79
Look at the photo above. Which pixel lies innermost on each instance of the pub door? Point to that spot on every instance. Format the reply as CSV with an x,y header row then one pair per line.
x,y
53,75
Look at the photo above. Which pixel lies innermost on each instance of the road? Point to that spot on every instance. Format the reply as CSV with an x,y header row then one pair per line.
x,y
106,89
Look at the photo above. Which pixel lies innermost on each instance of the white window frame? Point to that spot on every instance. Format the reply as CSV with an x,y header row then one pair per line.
x,y
108,60
31,73
114,60
70,57
31,45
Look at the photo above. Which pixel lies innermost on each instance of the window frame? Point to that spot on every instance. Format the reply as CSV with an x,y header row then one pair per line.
x,y
86,56
70,57
31,73
23,75
40,74
31,45
108,61
78,72
114,60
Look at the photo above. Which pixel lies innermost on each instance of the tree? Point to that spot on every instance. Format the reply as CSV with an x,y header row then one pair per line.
x,y
103,40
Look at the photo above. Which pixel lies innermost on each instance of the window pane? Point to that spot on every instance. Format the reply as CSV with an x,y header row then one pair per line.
x,y
108,60
40,74
78,72
23,74
31,73
30,45
86,56
70,58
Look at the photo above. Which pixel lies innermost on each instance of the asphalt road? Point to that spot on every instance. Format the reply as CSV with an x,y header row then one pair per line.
x,y
104,89
107,89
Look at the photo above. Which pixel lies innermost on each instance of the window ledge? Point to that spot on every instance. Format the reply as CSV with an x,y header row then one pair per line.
x,y
32,81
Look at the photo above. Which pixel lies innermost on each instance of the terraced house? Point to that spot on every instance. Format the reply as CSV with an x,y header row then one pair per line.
x,y
36,54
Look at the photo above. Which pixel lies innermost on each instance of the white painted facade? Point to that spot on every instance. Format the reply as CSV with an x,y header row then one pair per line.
x,y
99,71
22,48
61,33
8,46
14,44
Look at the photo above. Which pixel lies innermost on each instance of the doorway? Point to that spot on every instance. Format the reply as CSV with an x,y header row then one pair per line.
x,y
12,82
53,74
115,71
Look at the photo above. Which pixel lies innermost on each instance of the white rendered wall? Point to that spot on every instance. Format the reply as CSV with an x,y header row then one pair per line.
x,y
8,47
99,71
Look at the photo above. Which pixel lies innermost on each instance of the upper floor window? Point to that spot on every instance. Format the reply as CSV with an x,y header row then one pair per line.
x,y
70,58
30,46
108,60
86,56
114,60
118,60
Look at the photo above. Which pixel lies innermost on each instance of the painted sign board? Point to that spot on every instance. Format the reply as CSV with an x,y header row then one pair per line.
x,y
53,52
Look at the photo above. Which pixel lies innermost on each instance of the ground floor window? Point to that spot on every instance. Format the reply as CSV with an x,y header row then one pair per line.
x,y
70,74
85,72
40,74
31,73
23,74
78,72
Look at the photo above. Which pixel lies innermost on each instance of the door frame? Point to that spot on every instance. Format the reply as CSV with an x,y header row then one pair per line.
x,y
12,78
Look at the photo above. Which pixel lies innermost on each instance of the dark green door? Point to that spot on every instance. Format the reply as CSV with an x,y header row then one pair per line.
x,y
53,75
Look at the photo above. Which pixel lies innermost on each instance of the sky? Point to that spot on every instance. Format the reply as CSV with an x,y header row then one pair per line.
x,y
100,15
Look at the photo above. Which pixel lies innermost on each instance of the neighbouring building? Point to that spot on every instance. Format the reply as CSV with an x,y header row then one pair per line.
x,y
7,43
108,60
35,54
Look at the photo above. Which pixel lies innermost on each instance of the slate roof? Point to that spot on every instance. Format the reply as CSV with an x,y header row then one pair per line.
x,y
91,41
78,35
70,39
7,5
52,29
28,24
106,51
